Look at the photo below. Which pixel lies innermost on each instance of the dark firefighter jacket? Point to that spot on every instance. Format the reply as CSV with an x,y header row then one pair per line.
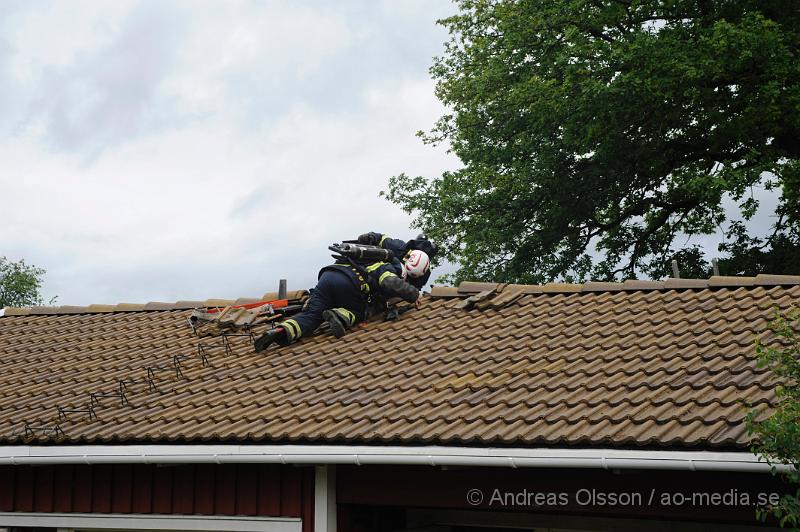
x,y
401,248
368,278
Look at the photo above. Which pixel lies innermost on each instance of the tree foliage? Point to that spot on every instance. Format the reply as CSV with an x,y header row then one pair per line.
x,y
777,438
597,136
20,284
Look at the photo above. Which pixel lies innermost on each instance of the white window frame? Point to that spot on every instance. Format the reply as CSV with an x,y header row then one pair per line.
x,y
151,522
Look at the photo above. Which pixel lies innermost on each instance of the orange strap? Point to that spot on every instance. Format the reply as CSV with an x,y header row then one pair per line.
x,y
276,303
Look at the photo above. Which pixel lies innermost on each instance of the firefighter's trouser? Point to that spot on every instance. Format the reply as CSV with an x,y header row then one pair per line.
x,y
334,290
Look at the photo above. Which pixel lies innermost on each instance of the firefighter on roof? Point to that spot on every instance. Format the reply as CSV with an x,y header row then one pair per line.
x,y
415,255
346,290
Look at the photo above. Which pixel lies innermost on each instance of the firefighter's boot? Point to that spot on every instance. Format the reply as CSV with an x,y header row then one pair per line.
x,y
339,319
278,334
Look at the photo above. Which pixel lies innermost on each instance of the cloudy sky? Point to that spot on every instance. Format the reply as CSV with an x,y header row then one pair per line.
x,y
158,151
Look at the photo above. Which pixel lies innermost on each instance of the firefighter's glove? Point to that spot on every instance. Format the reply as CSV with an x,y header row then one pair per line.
x,y
398,287
370,239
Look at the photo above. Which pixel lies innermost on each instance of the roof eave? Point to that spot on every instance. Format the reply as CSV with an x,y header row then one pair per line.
x,y
390,455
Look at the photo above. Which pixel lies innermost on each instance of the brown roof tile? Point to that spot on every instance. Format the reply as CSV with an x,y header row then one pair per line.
x,y
444,291
101,308
468,287
183,305
157,305
731,281
129,307
11,311
218,302
637,364
772,280
246,300
633,284
680,284
596,286
561,287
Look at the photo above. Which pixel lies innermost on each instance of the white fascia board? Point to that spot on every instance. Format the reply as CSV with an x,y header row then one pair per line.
x,y
390,455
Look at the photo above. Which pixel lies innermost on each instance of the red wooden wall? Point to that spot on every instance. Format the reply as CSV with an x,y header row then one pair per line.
x,y
240,489
369,493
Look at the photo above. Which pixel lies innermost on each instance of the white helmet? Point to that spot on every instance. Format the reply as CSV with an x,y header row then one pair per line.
x,y
416,264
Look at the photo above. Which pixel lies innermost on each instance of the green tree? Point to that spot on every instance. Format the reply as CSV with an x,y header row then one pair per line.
x,y
777,437
598,136
20,284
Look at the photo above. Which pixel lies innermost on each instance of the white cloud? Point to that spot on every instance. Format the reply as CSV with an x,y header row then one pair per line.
x,y
110,94
206,149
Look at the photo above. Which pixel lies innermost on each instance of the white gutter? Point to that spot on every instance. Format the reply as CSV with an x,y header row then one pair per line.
x,y
395,455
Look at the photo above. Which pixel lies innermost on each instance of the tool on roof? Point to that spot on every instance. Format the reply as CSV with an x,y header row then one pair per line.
x,y
125,386
213,322
94,397
202,348
44,430
176,368
121,394
360,252
89,410
240,320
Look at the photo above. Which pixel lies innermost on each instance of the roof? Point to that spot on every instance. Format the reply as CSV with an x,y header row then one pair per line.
x,y
634,364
